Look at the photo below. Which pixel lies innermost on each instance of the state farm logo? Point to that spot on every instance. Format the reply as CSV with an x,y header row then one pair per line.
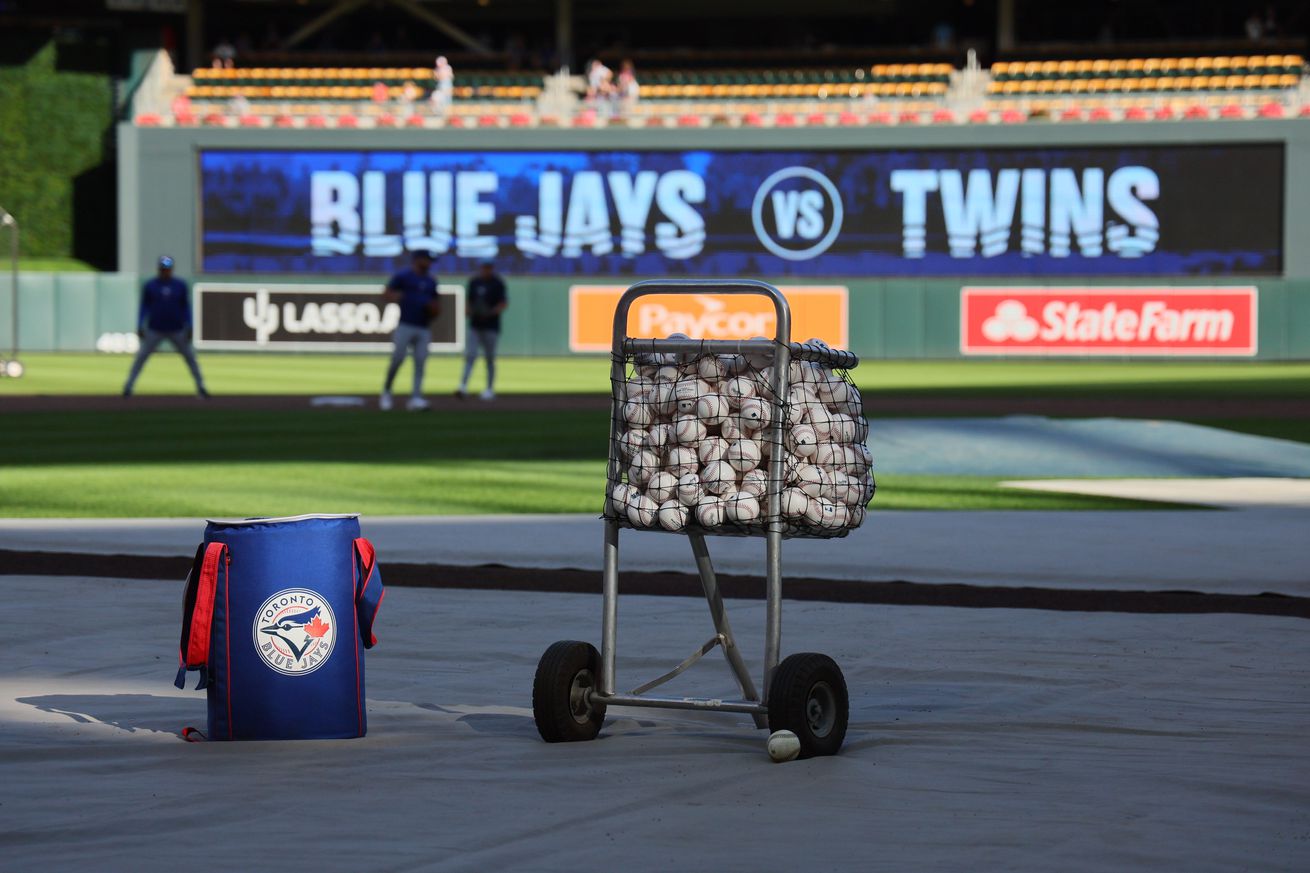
x,y
1108,321
797,213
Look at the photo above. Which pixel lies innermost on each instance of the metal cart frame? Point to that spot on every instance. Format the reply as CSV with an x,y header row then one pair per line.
x,y
602,691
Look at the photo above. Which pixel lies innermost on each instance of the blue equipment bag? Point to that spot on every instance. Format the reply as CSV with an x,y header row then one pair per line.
x,y
276,618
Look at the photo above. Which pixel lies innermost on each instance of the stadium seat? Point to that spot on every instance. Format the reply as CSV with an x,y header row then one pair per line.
x,y
347,121
752,119
1014,116
1072,113
980,116
185,118
1136,113
689,120
315,121
848,119
881,118
1271,110
943,116
908,117
1101,113
816,119
386,119
1305,111
1232,110
215,119
284,121
488,121
148,119
1197,112
250,121
1164,113
520,119
414,121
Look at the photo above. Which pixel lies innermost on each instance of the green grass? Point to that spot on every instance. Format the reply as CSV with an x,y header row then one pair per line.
x,y
157,463
55,373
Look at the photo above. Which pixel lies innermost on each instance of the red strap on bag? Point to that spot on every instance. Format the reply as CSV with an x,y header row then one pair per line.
x,y
369,593
198,620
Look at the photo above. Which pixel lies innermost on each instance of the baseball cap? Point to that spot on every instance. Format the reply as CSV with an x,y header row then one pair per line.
x,y
423,253
166,262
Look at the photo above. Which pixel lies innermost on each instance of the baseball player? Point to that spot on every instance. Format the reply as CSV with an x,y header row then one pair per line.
x,y
415,290
486,301
165,315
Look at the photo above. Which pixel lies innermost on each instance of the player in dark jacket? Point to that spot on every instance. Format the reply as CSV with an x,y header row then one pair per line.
x,y
415,291
487,299
165,315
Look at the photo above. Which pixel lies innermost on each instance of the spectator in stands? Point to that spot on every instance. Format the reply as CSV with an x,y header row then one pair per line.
x,y
443,85
599,81
165,315
240,105
486,301
380,94
408,94
629,90
225,55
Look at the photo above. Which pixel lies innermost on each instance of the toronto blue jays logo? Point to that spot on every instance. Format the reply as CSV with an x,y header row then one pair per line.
x,y
295,631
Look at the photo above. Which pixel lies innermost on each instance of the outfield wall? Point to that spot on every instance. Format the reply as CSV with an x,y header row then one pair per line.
x,y
892,318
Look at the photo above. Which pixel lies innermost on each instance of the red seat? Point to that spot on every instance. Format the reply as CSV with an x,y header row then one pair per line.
x,y
284,121
980,116
250,121
148,119
1164,113
215,119
488,121
347,121
386,119
784,119
1305,111
185,118
752,119
520,119
1014,116
1272,110
1101,113
688,120
414,121
880,118
1232,110
1136,113
908,118
315,121
455,121
655,121
943,116
1196,112
585,118
848,119
1072,113
816,119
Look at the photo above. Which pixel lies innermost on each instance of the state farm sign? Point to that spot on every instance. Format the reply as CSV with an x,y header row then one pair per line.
x,y
1108,321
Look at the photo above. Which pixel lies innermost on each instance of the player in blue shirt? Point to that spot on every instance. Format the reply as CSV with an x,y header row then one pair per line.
x,y
415,290
486,301
165,315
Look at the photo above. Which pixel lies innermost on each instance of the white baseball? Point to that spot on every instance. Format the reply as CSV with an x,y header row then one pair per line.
x,y
730,428
743,455
672,515
637,387
621,495
665,402
737,390
712,409
667,373
689,430
844,488
794,502
742,508
783,746
791,466
711,368
718,477
681,461
689,489
644,465
814,511
803,441
812,480
641,511
829,455
755,482
755,414
639,413
661,486
659,436
687,391
712,449
631,442
820,419
709,511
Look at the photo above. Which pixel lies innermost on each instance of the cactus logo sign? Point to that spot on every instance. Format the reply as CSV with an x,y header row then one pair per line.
x,y
1108,321
841,212
312,318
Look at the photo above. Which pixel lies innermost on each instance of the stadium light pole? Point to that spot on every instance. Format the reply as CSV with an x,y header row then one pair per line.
x,y
12,367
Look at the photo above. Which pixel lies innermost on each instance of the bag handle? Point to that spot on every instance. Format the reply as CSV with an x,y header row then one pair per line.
x,y
369,594
198,611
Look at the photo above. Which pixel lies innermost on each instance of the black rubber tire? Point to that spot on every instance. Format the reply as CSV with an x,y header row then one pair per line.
x,y
566,669
807,696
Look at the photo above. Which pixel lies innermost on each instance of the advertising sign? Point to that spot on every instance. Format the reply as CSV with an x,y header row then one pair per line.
x,y
319,318
816,311
1141,210
1108,321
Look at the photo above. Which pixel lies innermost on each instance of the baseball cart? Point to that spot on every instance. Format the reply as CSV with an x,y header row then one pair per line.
x,y
758,438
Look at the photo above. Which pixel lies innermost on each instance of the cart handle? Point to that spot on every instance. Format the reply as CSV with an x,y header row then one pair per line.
x,y
693,286
838,359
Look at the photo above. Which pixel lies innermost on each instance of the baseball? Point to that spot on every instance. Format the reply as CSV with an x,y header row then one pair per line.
x,y
743,455
686,392
712,409
711,368
718,477
631,442
709,511
659,436
637,387
682,461
738,389
638,413
784,746
730,428
803,441
794,503
844,488
620,496
661,487
829,455
689,489
855,517
672,515
815,341
641,511
689,430
820,419
835,391
755,483
663,398
644,465
712,449
667,373
812,480
755,414
743,508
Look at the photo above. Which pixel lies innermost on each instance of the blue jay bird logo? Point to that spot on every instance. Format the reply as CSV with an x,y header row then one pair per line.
x,y
295,631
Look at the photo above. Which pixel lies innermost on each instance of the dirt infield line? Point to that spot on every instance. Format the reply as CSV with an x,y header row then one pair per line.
x,y
491,577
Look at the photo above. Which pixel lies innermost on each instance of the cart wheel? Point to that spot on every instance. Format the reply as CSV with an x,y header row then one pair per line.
x,y
561,702
807,696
